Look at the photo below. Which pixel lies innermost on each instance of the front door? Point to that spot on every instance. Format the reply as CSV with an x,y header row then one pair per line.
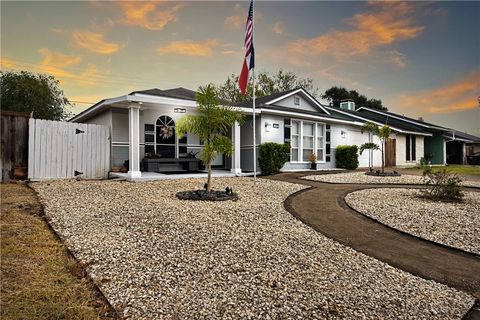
x,y
390,153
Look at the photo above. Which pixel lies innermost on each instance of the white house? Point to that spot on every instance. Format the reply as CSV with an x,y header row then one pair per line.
x,y
136,121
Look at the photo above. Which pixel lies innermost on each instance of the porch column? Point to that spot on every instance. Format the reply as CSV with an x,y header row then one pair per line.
x,y
134,141
236,149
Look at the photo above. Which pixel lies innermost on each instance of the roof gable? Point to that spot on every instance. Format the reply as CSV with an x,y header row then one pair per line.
x,y
285,99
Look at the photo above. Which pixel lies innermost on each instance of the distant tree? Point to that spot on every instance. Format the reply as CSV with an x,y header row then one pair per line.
x,y
336,94
265,84
211,125
38,93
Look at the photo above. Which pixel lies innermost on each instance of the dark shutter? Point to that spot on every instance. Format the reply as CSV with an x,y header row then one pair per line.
x,y
407,147
413,148
149,138
287,125
149,149
327,144
287,128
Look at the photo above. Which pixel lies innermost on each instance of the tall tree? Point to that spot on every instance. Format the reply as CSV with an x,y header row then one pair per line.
x,y
37,93
336,94
265,84
211,125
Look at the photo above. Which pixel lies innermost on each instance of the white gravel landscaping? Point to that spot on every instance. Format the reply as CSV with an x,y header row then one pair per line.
x,y
453,224
361,177
157,257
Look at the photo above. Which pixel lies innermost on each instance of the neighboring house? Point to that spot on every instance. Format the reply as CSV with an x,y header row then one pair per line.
x,y
459,145
137,120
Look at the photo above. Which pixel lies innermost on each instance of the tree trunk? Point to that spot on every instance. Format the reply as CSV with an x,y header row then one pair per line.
x,y
383,158
209,179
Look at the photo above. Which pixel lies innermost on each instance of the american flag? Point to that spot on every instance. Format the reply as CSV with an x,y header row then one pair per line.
x,y
249,61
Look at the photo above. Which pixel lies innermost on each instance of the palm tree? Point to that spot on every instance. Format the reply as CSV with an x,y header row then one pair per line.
x,y
211,125
381,132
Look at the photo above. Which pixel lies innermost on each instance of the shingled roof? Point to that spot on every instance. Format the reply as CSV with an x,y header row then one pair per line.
x,y
262,100
177,93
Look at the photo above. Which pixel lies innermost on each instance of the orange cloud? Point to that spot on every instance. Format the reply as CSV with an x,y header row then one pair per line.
x,y
390,23
57,64
147,14
456,96
94,42
6,63
239,18
190,48
278,28
58,59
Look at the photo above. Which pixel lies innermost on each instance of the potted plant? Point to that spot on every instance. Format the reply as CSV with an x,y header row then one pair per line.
x,y
313,161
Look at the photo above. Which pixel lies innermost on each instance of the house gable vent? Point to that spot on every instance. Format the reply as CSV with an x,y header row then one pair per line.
x,y
296,100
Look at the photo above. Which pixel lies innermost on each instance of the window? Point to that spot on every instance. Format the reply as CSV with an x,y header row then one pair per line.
x,y
295,140
307,138
320,142
165,137
296,100
410,147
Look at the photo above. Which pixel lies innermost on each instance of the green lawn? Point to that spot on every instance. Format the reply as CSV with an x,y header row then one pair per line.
x,y
460,169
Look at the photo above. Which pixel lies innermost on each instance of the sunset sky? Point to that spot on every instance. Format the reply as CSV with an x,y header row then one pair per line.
x,y
420,58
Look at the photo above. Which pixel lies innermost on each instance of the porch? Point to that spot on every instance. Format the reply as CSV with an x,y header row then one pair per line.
x,y
155,151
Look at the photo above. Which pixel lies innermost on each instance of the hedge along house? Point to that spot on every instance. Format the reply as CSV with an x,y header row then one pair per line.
x,y
142,127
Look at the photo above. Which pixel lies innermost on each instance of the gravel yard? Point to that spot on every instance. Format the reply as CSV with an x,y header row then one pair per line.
x,y
155,256
361,177
453,224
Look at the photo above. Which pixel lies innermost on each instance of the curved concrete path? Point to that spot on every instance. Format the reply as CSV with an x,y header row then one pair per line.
x,y
323,208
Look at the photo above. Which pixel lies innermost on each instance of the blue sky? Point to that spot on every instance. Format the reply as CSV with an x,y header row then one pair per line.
x,y
420,58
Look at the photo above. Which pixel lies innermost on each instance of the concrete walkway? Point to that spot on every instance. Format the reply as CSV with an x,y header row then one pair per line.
x,y
323,208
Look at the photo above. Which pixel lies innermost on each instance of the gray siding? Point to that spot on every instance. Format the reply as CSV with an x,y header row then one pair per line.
x,y
304,103
120,125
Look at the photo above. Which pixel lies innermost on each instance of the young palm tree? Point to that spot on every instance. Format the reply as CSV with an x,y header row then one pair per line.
x,y
211,125
382,132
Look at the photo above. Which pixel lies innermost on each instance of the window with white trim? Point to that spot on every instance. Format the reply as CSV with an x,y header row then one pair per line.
x,y
320,142
306,138
295,140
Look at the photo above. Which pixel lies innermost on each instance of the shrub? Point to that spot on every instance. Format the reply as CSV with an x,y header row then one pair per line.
x,y
442,186
272,157
346,157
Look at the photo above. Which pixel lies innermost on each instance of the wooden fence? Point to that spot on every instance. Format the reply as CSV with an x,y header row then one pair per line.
x,y
14,136
65,150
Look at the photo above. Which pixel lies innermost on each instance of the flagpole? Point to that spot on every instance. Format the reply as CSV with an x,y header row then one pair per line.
x,y
253,100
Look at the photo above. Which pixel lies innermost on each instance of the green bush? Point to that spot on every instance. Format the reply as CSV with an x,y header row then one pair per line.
x,y
346,157
442,186
272,157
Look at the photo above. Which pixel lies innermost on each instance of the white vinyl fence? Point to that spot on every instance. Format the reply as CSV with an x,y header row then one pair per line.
x,y
59,150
